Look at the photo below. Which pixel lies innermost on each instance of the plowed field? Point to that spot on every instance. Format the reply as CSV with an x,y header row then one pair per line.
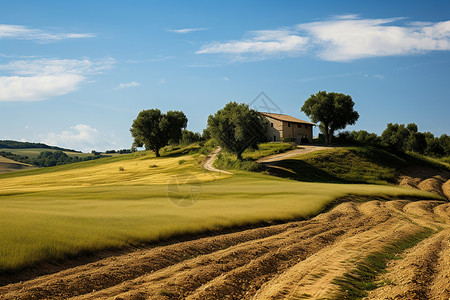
x,y
296,260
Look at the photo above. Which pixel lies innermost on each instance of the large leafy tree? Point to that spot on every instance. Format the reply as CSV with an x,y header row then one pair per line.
x,y
334,111
154,130
237,127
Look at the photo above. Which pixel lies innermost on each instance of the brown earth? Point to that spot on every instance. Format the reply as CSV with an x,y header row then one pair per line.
x,y
295,260
426,179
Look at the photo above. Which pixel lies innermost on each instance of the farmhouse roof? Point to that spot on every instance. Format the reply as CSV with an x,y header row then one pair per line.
x,y
285,118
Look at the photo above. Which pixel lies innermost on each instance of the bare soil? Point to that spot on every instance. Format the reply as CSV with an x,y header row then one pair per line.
x,y
426,179
295,260
209,160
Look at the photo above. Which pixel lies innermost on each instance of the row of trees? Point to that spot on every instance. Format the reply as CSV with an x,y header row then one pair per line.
x,y
237,127
400,137
48,158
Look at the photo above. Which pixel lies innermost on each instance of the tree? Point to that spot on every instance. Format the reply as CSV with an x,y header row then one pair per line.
x,y
444,140
189,137
154,130
237,127
405,138
334,111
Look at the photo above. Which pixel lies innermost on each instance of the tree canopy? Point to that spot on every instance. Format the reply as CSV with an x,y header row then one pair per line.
x,y
155,130
334,111
408,138
237,127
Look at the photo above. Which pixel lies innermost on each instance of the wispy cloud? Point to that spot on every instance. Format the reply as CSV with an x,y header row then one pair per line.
x,y
376,76
161,81
128,85
261,44
156,59
17,56
342,38
80,137
39,79
185,30
26,33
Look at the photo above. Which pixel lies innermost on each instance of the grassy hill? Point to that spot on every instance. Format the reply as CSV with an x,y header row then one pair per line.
x,y
53,213
351,165
8,165
9,144
34,152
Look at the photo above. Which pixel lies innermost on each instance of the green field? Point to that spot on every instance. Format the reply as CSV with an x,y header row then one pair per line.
x,y
53,213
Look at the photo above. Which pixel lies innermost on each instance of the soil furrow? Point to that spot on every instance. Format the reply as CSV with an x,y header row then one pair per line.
x,y
296,259
114,270
410,277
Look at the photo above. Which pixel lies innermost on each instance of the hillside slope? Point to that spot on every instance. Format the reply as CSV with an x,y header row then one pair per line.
x,y
365,165
9,165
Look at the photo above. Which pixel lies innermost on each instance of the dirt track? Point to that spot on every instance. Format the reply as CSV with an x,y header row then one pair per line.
x,y
273,159
275,262
208,162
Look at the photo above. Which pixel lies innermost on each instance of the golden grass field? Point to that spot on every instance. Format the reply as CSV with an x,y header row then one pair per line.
x,y
53,213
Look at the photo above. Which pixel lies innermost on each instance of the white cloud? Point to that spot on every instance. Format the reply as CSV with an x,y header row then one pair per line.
x,y
34,88
343,38
226,78
39,79
161,81
25,33
158,58
260,45
350,39
58,66
80,137
128,85
185,30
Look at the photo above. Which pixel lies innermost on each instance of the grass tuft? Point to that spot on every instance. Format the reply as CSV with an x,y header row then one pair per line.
x,y
356,283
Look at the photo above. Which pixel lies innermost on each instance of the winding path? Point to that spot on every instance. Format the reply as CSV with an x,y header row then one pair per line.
x,y
273,159
208,163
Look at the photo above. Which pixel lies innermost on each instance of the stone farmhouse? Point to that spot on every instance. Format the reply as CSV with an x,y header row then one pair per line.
x,y
287,128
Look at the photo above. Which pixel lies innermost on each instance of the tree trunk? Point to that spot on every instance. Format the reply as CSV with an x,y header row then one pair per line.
x,y
239,155
327,136
326,132
157,152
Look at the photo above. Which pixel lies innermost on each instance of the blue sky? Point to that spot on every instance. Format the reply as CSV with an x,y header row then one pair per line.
x,y
76,73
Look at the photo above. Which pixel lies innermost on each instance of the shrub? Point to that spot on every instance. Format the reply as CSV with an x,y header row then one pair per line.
x,y
228,161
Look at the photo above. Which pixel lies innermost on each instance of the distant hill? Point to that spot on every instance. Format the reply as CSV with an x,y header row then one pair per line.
x,y
8,165
8,144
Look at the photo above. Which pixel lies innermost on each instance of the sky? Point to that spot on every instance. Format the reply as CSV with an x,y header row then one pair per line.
x,y
76,73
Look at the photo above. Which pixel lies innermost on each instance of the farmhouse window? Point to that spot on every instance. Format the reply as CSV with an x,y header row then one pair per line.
x,y
289,124
299,125
271,124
